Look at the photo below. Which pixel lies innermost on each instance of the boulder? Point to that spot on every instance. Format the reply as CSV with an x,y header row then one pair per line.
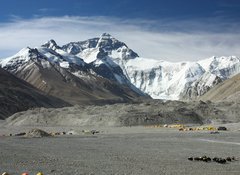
x,y
37,133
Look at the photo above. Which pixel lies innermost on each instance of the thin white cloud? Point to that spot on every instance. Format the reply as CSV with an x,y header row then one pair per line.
x,y
44,10
153,39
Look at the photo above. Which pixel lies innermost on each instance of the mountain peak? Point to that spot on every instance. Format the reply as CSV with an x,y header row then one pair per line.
x,y
51,44
106,35
108,42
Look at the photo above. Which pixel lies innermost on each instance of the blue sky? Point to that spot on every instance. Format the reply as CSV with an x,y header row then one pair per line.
x,y
148,9
173,30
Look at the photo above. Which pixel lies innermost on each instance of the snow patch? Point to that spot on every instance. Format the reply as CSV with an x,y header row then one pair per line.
x,y
21,57
64,64
89,55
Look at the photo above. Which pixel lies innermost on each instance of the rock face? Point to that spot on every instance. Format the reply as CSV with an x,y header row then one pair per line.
x,y
228,90
17,95
37,133
201,86
107,59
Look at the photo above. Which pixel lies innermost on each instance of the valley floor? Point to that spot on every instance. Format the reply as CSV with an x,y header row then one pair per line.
x,y
120,150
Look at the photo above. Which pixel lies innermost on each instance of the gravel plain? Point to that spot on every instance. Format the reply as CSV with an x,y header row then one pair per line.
x,y
123,145
120,150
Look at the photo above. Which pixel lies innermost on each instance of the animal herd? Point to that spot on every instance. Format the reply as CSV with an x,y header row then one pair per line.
x,y
215,159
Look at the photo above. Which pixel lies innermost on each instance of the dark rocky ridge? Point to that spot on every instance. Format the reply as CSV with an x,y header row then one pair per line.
x,y
17,95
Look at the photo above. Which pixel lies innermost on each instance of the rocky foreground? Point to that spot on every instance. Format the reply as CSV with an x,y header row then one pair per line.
x,y
121,150
123,139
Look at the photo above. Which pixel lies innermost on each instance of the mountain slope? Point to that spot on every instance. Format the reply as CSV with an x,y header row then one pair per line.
x,y
228,90
17,95
66,76
200,87
162,79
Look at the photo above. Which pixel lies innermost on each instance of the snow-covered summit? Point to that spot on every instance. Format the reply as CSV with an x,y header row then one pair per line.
x,y
88,48
106,35
49,52
110,58
51,44
19,58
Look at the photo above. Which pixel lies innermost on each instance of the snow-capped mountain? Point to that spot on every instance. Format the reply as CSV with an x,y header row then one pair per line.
x,y
105,45
162,79
159,79
99,62
58,73
90,48
109,58
184,80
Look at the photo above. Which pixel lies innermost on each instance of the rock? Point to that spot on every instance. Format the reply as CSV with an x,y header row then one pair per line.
x,y
37,133
86,132
56,133
71,132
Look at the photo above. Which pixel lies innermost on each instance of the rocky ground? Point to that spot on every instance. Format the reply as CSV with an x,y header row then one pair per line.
x,y
120,150
127,142
135,114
